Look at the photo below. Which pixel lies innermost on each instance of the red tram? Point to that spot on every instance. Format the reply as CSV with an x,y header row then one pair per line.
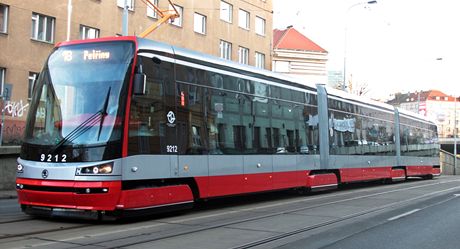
x,y
128,124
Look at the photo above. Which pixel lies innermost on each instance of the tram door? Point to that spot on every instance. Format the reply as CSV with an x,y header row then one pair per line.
x,y
191,126
152,121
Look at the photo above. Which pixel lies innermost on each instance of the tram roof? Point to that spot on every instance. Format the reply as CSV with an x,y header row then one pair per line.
x,y
147,44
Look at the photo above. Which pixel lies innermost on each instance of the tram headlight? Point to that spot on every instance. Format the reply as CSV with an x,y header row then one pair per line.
x,y
106,168
20,168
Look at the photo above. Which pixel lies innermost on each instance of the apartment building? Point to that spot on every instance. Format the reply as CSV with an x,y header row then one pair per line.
x,y
238,30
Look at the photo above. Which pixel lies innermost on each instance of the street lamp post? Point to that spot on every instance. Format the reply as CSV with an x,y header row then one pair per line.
x,y
455,135
345,41
124,26
455,128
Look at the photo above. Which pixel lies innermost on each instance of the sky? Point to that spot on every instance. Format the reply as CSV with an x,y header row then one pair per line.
x,y
393,45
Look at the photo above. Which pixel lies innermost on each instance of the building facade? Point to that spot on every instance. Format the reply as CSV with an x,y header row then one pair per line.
x,y
298,56
238,30
434,104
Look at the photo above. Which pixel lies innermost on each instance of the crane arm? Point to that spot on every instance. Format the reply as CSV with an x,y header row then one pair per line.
x,y
164,16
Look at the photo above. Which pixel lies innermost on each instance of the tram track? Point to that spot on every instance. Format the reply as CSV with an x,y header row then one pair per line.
x,y
28,234
335,221
296,231
258,215
14,221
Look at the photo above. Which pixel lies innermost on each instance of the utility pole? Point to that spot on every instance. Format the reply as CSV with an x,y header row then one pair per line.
x,y
455,135
418,102
69,17
124,28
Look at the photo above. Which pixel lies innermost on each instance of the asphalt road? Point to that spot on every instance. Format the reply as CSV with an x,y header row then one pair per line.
x,y
412,214
433,223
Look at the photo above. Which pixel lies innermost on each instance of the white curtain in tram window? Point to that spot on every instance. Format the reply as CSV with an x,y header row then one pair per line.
x,y
347,124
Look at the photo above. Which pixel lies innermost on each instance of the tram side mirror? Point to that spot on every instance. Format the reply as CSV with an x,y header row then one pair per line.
x,y
139,84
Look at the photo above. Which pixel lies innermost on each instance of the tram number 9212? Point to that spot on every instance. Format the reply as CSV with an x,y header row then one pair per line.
x,y
53,158
171,148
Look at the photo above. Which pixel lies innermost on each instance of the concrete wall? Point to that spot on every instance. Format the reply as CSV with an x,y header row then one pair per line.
x,y
8,156
447,163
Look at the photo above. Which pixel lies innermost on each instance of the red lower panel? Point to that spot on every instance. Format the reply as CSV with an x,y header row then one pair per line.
x,y
436,171
291,179
239,184
149,197
258,182
419,170
321,180
398,173
62,195
203,186
225,185
364,174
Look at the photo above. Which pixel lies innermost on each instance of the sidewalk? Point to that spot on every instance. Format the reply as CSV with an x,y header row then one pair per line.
x,y
8,194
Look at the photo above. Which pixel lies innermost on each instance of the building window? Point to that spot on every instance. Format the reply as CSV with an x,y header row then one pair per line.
x,y
32,78
199,23
2,79
177,21
225,50
243,19
243,55
88,32
129,3
151,12
260,60
226,11
260,26
42,28
3,18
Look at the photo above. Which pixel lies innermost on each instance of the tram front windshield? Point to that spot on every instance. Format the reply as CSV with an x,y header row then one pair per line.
x,y
78,97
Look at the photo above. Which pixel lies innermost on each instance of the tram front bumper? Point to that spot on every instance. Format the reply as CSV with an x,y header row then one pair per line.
x,y
76,195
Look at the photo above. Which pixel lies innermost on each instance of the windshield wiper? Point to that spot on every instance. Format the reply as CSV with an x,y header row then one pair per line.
x,y
103,113
89,123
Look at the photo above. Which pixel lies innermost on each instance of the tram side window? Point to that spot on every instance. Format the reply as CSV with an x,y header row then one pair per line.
x,y
353,133
310,119
262,140
245,134
284,126
417,139
224,123
185,74
146,121
190,118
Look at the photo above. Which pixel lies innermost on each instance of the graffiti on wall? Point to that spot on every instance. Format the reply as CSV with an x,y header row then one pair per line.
x,y
15,108
13,130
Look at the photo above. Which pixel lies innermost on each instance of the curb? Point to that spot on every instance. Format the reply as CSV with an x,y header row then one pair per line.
x,y
11,195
